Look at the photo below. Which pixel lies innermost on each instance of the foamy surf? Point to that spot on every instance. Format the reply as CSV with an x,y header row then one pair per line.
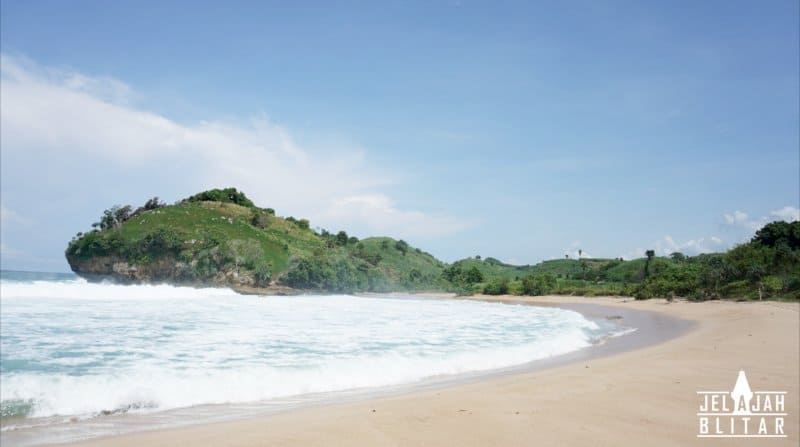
x,y
76,350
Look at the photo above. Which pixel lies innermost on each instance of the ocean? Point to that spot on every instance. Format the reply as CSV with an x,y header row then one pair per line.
x,y
75,356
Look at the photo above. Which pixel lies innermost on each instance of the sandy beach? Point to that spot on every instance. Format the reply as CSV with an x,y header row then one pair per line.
x,y
640,396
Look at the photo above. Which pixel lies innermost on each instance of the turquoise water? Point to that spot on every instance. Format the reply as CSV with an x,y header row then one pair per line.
x,y
87,350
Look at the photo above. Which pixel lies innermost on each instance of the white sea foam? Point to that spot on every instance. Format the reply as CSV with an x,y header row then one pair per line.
x,y
76,348
83,290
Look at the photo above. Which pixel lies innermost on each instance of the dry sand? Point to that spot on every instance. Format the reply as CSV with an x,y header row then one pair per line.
x,y
645,396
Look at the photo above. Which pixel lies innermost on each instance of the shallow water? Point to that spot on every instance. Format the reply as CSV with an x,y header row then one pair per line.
x,y
73,350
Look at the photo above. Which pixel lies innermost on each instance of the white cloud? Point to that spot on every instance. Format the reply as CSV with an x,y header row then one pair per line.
x,y
63,116
740,219
736,218
8,252
379,213
9,216
787,213
691,247
575,251
668,245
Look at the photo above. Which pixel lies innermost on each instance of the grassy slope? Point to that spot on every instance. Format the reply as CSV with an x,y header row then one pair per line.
x,y
280,240
198,220
397,265
227,231
603,276
561,268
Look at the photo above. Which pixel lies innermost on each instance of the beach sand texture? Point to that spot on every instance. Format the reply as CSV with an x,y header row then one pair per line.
x,y
639,397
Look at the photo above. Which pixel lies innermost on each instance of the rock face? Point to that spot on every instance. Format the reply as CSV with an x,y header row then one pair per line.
x,y
163,270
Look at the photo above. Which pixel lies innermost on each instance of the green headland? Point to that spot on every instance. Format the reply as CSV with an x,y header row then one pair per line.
x,y
221,238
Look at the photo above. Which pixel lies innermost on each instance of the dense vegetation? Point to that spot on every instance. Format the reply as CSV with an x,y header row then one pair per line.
x,y
221,237
768,266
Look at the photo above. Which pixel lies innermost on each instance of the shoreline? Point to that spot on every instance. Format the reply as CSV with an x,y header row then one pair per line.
x,y
549,394
646,333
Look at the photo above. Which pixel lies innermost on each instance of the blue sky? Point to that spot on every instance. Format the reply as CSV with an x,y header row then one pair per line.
x,y
519,130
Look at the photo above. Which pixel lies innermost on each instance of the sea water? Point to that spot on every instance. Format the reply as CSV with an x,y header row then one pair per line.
x,y
71,350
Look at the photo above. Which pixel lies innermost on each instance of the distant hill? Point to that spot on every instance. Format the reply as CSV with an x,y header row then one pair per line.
x,y
220,237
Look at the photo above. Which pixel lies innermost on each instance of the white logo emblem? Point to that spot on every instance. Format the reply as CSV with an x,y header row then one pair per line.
x,y
741,413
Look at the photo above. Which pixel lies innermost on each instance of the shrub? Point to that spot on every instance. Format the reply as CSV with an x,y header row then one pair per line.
x,y
515,288
538,284
772,284
401,246
260,219
472,276
497,286
227,195
262,273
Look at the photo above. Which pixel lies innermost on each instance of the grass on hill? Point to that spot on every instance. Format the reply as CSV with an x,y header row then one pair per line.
x,y
220,233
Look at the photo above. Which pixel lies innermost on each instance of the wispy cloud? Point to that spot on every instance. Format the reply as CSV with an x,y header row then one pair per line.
x,y
737,220
8,252
65,116
787,213
10,217
740,219
379,212
668,245
575,250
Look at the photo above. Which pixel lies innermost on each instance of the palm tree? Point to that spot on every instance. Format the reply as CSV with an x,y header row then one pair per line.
x,y
650,255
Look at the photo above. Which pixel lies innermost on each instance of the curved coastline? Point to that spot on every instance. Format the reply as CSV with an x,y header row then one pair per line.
x,y
651,328
615,393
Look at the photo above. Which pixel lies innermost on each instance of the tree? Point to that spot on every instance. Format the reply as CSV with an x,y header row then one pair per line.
x,y
401,246
227,195
452,273
751,262
497,286
650,255
772,284
153,204
113,217
677,256
712,273
756,274
341,238
774,233
536,285
473,276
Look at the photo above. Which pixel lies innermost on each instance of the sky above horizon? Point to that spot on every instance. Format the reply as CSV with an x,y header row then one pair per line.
x,y
518,130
